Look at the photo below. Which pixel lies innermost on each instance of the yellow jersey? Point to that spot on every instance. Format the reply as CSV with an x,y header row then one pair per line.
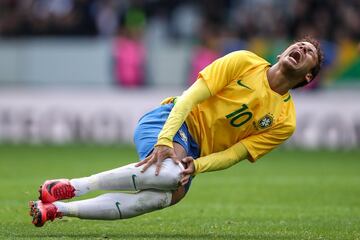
x,y
242,108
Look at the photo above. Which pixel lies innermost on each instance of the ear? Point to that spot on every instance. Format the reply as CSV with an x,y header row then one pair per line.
x,y
308,77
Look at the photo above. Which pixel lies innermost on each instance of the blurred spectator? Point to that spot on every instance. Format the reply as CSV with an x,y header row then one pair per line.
x,y
107,16
46,17
235,24
129,50
332,20
206,52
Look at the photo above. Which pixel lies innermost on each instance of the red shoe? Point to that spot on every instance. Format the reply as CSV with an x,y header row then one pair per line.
x,y
42,212
54,190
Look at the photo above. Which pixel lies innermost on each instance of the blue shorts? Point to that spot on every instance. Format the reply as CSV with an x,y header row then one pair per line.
x,y
149,127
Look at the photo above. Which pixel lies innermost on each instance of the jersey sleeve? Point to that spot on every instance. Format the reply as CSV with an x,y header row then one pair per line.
x,y
197,93
221,160
260,144
231,67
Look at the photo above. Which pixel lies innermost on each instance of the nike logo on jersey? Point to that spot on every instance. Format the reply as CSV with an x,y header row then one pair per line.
x,y
243,85
288,98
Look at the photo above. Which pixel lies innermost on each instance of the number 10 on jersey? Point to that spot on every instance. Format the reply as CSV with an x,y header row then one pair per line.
x,y
240,116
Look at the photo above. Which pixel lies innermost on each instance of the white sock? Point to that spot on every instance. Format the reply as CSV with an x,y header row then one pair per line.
x,y
129,178
112,206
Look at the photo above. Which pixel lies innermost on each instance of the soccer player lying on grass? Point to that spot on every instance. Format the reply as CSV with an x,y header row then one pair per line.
x,y
239,108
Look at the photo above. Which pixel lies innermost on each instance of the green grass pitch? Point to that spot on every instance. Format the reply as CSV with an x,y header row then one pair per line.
x,y
289,194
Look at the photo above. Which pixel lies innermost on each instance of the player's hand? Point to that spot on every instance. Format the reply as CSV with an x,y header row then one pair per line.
x,y
158,155
168,100
188,171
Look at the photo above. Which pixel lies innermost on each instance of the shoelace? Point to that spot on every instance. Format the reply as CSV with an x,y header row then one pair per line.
x,y
64,192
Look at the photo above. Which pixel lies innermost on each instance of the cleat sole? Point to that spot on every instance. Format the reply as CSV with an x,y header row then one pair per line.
x,y
36,214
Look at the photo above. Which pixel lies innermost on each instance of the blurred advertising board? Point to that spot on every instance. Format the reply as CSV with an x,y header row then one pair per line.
x,y
325,119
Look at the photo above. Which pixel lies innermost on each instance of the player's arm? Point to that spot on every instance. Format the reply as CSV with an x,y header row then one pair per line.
x,y
251,148
212,79
221,160
197,93
214,162
261,144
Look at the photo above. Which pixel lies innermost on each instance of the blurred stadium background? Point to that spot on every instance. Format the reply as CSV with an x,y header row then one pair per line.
x,y
78,70
76,75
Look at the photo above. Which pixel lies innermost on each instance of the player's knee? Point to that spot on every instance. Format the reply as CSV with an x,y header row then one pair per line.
x,y
171,176
168,178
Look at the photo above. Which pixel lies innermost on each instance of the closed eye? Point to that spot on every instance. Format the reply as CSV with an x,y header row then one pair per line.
x,y
311,52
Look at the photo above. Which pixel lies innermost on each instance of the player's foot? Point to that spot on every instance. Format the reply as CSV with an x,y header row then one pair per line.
x,y
42,212
54,190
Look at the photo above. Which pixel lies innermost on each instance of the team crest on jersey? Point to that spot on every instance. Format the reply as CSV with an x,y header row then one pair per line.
x,y
265,121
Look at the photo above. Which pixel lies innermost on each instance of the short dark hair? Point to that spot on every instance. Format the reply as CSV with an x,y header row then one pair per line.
x,y
315,70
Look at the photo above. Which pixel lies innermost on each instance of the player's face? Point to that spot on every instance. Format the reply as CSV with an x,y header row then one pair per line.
x,y
299,57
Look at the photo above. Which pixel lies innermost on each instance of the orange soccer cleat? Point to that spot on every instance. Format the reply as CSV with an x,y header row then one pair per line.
x,y
42,212
54,190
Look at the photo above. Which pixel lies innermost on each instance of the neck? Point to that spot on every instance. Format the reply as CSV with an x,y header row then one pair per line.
x,y
278,81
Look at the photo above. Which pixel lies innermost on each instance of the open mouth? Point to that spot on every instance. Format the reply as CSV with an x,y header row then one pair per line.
x,y
295,57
